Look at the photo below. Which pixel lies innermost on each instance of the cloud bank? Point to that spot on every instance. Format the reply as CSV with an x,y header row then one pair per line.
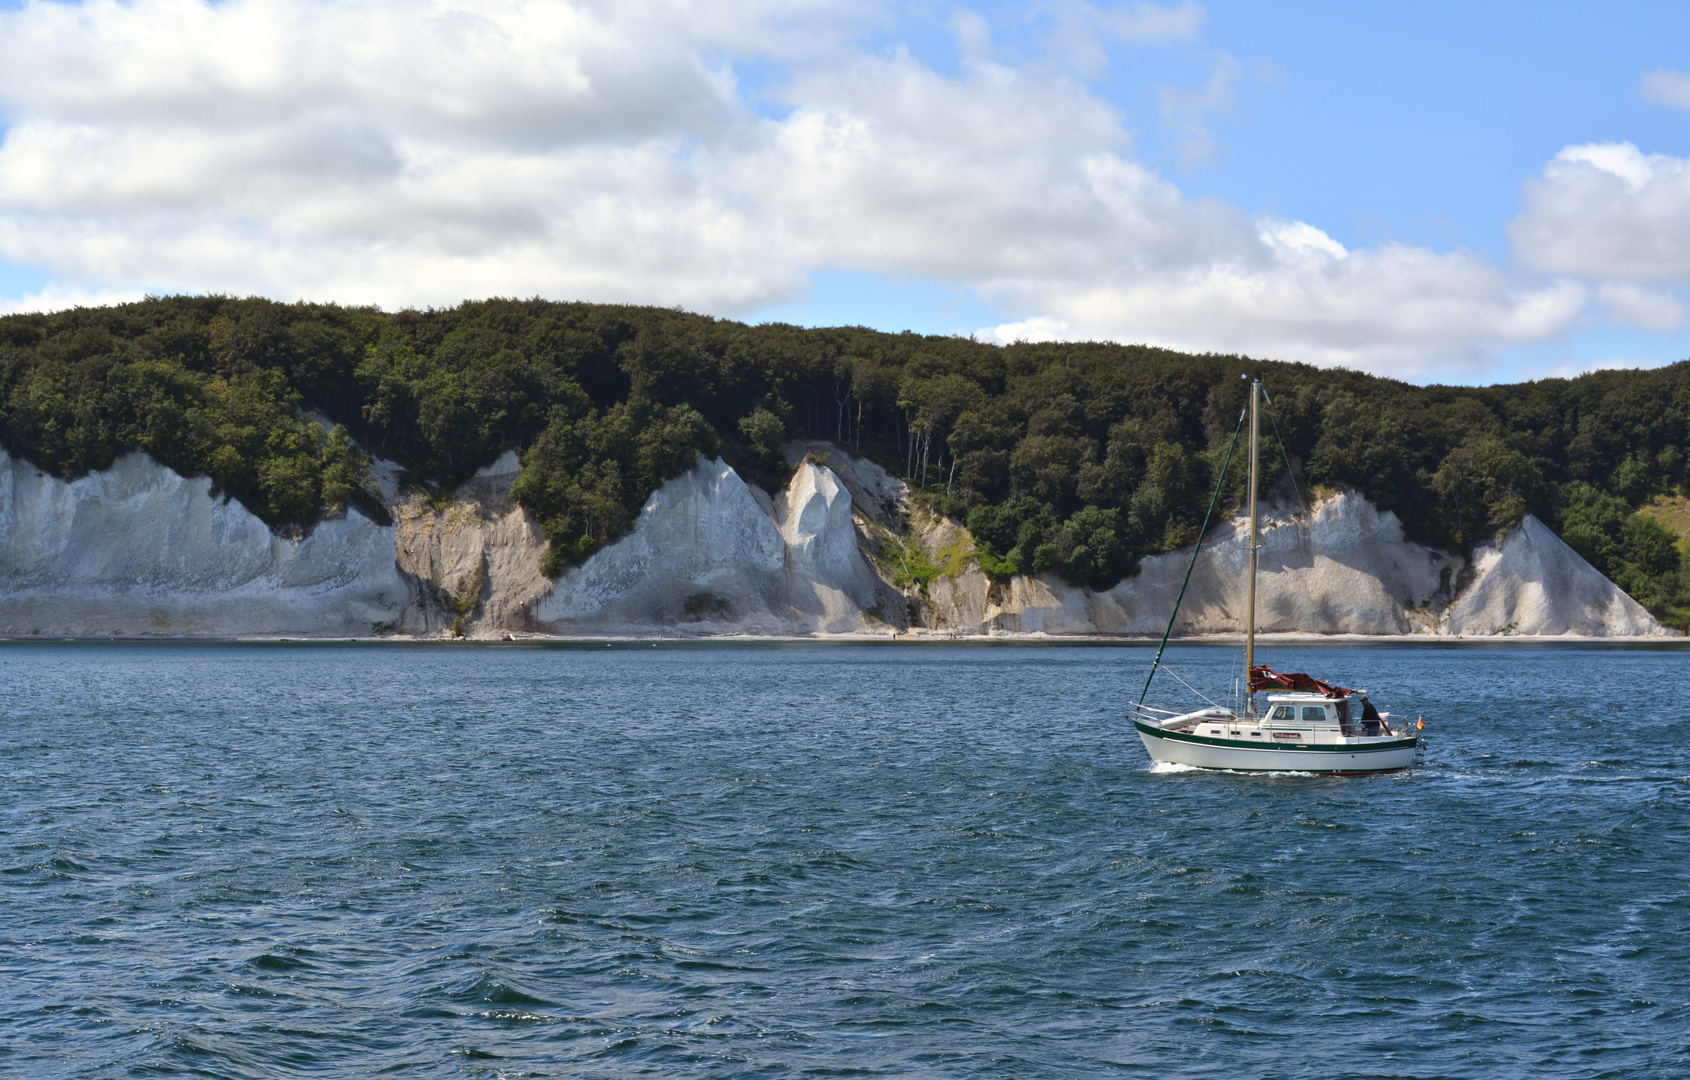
x,y
422,153
1609,210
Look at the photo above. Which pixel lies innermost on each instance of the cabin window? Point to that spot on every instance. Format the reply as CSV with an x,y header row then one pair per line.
x,y
1285,712
1314,714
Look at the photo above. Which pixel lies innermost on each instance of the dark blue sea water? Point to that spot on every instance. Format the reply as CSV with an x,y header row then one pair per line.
x,y
728,861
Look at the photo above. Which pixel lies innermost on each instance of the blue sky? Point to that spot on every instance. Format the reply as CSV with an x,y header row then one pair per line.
x,y
1406,122
1419,121
1396,188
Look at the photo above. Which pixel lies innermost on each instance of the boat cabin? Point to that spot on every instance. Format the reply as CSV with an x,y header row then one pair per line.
x,y
1352,715
1292,718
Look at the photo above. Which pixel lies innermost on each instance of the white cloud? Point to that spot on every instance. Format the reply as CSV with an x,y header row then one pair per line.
x,y
1616,159
1572,369
1083,31
1666,87
1038,328
1634,305
1187,111
1138,23
1397,310
973,35
1608,210
1154,24
1295,240
59,298
416,153
387,152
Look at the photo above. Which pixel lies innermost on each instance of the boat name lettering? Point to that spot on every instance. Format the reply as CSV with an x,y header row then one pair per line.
x,y
1287,734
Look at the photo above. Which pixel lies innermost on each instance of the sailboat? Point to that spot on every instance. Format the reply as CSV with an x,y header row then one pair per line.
x,y
1306,725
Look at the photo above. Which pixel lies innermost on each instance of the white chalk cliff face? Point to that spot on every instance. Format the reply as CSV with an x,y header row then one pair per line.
x,y
1531,582
138,550
1342,568
710,554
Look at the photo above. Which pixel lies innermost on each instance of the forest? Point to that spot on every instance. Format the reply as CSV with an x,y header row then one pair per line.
x,y
1075,458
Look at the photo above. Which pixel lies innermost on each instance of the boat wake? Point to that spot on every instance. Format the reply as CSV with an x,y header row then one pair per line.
x,y
1164,768
1174,767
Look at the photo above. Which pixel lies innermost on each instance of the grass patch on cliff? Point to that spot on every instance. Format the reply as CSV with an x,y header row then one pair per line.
x,y
955,556
906,562
465,601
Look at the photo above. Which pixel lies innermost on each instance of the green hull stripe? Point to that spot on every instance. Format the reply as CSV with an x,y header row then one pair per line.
x,y
1287,768
1232,744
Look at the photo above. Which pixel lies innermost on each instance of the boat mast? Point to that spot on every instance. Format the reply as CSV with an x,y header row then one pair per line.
x,y
1250,608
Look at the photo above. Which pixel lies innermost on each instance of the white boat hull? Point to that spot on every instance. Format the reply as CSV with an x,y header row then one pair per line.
x,y
1352,758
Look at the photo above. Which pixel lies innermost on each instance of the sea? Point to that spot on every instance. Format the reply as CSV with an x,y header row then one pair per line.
x,y
689,859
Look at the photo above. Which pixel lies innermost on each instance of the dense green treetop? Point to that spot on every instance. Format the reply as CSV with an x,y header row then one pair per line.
x,y
1076,458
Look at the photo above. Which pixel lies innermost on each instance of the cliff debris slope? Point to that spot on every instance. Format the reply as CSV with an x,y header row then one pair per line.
x,y
710,554
137,550
475,560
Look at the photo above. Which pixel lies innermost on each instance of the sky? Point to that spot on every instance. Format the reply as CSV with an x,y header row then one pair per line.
x,y
1438,192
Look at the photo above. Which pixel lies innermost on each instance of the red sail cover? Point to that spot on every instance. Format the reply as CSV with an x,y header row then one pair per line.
x,y
1263,677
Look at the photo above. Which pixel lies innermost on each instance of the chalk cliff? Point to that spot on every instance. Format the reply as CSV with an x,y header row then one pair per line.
x,y
139,550
710,554
475,560
1530,582
1341,567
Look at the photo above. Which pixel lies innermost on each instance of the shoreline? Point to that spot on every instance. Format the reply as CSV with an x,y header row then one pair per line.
x,y
905,639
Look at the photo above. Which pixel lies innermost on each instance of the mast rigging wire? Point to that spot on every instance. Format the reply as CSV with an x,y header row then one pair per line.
x,y
1200,694
1306,531
1286,455
1198,547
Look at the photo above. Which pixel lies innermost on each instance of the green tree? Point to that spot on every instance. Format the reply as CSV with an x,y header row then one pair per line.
x,y
1485,487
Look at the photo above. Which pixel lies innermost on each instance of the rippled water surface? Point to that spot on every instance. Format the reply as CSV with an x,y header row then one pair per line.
x,y
729,861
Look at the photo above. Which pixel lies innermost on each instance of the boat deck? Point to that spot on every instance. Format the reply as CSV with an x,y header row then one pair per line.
x,y
1225,726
